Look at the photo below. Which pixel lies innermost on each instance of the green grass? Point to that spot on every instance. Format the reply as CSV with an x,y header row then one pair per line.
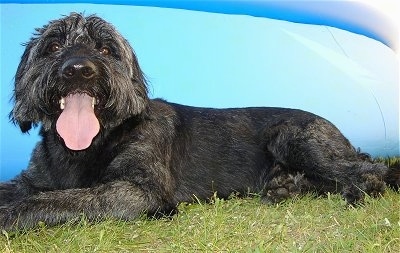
x,y
306,224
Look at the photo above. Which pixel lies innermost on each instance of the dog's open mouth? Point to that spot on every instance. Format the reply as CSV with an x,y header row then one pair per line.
x,y
77,124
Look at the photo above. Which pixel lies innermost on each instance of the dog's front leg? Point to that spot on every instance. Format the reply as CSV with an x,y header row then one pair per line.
x,y
119,199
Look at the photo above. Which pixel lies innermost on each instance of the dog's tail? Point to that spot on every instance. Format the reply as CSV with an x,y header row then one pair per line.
x,y
392,177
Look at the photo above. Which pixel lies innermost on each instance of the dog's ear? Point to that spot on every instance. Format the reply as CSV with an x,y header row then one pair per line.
x,y
24,125
23,116
23,113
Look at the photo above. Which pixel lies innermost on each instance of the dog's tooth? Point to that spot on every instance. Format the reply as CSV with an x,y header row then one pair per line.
x,y
93,102
62,103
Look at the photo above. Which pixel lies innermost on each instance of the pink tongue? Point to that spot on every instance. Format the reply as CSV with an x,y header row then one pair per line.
x,y
77,124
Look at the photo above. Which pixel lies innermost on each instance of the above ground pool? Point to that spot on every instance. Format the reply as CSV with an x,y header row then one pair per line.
x,y
337,59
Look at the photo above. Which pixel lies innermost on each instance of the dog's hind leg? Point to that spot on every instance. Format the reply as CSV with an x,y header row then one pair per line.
x,y
314,156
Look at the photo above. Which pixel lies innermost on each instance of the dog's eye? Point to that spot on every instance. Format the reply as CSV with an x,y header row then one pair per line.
x,y
105,51
54,47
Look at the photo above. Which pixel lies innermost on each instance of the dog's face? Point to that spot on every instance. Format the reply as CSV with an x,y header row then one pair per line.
x,y
78,75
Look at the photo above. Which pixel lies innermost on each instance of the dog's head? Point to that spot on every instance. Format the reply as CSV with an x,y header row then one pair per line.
x,y
78,75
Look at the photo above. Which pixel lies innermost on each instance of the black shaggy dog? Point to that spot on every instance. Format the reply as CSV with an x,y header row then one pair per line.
x,y
110,151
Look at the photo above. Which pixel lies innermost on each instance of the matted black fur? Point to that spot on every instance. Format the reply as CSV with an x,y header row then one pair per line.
x,y
149,155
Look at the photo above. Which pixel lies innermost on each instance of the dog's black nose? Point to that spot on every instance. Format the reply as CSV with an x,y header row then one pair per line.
x,y
78,68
